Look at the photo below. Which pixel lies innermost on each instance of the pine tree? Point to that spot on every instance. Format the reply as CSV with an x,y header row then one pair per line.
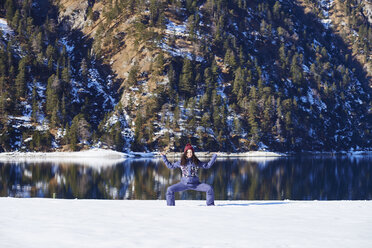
x,y
224,113
4,103
276,10
138,132
288,124
230,58
55,120
51,52
283,57
216,99
217,118
176,117
84,70
260,87
173,80
191,124
73,133
10,8
296,70
66,136
58,68
133,74
191,26
242,56
21,79
51,97
50,65
154,11
36,140
253,94
238,81
37,42
35,104
265,28
208,79
66,74
186,84
3,115
205,121
159,64
118,138
2,84
3,62
254,131
266,121
63,109
16,20
150,131
237,125
84,129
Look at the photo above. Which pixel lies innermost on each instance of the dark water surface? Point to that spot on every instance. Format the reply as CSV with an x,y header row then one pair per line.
x,y
295,178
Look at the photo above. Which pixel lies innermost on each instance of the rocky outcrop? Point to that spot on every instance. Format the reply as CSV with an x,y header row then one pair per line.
x,y
74,14
367,10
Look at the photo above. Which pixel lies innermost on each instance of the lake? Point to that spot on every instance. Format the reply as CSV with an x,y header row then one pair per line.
x,y
294,178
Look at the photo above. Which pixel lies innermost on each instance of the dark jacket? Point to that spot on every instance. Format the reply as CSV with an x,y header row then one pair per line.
x,y
190,170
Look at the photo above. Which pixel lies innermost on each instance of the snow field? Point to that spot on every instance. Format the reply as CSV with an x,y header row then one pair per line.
x,y
40,223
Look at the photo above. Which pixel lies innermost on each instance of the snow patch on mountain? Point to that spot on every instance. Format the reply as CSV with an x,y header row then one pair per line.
x,y
5,29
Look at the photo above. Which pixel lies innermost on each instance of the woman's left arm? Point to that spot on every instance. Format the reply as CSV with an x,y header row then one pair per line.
x,y
210,163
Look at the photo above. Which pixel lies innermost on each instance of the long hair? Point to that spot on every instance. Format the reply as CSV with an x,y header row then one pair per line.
x,y
194,159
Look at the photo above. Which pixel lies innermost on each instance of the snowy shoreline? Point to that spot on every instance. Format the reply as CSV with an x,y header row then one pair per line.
x,y
101,157
38,222
97,154
93,157
110,155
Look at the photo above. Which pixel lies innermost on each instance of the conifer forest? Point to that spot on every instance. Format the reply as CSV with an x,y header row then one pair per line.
x,y
153,75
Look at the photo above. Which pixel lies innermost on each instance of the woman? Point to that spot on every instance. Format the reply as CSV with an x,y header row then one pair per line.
x,y
189,165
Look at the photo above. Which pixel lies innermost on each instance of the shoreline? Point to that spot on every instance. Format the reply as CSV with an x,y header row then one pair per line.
x,y
106,154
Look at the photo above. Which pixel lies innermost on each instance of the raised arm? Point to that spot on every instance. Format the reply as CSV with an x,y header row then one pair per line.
x,y
210,163
169,164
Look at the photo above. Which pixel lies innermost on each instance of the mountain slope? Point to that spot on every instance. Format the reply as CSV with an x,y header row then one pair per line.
x,y
224,75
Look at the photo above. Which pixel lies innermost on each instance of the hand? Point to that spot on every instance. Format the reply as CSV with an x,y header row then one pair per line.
x,y
162,153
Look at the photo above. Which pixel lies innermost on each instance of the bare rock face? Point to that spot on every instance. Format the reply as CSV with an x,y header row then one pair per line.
x,y
74,14
367,10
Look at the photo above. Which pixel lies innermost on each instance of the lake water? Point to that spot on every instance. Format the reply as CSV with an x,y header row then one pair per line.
x,y
295,178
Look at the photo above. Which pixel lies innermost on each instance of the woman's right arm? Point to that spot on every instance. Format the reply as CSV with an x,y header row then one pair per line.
x,y
169,164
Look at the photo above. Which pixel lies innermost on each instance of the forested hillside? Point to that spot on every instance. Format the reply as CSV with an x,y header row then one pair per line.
x,y
152,75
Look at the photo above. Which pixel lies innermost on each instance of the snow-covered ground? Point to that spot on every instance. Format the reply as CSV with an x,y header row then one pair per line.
x,y
48,223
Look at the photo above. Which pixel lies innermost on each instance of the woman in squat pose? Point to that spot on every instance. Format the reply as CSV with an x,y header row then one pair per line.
x,y
189,165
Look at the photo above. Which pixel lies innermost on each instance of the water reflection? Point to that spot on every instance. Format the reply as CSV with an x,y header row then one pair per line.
x,y
303,178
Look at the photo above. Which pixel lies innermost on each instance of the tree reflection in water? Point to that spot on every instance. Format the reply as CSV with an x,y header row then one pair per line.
x,y
296,178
